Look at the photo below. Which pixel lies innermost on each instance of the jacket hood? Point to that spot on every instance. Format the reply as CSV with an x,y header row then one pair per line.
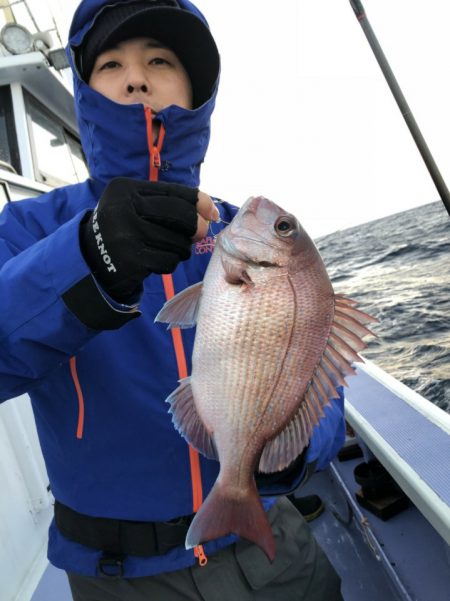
x,y
114,136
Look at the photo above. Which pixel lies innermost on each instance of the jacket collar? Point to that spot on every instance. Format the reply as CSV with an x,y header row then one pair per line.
x,y
114,136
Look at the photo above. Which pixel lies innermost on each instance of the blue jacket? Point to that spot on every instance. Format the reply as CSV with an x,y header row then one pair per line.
x,y
117,455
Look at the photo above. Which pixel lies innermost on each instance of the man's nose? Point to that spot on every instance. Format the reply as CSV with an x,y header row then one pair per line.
x,y
137,82
137,87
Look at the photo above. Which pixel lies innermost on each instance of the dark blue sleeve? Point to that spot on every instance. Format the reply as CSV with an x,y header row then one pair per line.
x,y
39,330
329,434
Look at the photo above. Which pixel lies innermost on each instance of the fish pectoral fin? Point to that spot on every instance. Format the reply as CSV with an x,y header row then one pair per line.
x,y
181,311
187,421
282,450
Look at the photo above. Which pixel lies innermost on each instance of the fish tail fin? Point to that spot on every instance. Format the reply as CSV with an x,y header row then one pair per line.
x,y
222,514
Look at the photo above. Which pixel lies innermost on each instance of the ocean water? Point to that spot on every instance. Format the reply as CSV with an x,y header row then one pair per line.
x,y
398,269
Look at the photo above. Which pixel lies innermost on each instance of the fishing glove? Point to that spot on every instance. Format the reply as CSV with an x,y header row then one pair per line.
x,y
138,228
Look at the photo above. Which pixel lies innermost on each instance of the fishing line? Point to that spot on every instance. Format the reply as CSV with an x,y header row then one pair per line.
x,y
215,234
217,201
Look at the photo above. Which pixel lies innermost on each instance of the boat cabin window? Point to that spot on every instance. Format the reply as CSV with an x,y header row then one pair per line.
x,y
57,154
9,150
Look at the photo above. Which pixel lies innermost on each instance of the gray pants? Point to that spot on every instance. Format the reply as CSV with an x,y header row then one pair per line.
x,y
300,572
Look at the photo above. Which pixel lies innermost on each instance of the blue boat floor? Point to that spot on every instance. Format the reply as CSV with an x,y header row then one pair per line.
x,y
53,586
418,555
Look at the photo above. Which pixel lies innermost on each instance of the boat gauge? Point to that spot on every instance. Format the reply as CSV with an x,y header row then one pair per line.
x,y
16,38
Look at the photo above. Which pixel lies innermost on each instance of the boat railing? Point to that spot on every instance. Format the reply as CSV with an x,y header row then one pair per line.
x,y
409,435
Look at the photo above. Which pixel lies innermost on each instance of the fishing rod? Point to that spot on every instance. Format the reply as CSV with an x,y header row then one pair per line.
x,y
402,104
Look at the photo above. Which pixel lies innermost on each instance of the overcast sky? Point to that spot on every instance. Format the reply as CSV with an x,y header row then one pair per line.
x,y
304,115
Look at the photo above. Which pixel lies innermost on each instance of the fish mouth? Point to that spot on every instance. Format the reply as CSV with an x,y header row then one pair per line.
x,y
230,249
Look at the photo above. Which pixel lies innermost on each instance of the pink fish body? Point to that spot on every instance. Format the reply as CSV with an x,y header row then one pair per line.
x,y
273,341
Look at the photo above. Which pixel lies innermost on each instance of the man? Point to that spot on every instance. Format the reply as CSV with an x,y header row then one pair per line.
x,y
82,265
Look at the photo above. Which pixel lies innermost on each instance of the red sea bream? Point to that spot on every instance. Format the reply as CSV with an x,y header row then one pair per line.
x,y
273,342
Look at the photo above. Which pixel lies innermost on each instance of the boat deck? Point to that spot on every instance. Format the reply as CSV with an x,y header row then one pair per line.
x,y
53,586
401,559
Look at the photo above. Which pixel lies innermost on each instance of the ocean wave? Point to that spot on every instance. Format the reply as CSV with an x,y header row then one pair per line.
x,y
396,268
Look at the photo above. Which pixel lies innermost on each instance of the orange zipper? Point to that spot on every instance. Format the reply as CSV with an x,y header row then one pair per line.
x,y
155,150
177,339
76,381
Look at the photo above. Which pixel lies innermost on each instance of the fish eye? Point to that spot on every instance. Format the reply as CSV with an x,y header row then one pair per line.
x,y
285,226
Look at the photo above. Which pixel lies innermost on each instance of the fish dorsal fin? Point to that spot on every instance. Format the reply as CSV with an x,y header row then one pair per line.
x,y
346,340
287,446
187,421
181,311
344,343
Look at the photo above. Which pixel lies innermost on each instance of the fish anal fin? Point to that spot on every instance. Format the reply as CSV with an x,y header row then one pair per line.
x,y
181,311
187,421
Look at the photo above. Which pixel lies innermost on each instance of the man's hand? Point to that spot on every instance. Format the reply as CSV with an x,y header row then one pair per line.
x,y
139,228
206,212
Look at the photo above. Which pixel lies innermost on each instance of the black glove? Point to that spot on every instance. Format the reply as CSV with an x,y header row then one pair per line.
x,y
138,228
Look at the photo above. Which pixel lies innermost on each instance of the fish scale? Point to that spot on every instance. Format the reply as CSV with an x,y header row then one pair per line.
x,y
235,360
273,342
